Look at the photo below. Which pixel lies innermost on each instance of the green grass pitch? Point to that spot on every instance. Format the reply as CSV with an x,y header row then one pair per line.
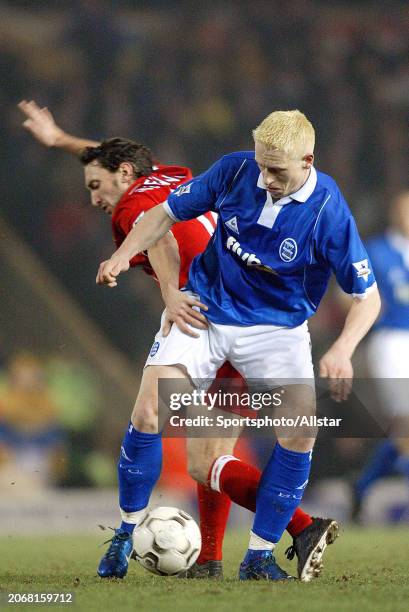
x,y
365,570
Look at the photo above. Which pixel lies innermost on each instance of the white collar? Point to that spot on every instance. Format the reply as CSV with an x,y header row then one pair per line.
x,y
301,195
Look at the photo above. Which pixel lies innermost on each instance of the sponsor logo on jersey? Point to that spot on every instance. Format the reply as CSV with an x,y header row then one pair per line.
x,y
183,189
250,259
288,250
362,269
154,349
232,225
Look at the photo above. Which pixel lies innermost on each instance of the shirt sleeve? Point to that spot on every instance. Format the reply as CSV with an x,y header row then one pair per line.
x,y
197,196
130,215
342,248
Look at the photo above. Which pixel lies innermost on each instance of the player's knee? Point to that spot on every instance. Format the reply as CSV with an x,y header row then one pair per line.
x,y
297,444
197,470
145,418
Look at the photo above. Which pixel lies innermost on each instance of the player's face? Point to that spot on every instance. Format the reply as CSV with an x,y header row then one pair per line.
x,y
282,175
105,187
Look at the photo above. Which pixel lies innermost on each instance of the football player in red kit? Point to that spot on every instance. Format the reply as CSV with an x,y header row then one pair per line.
x,y
125,182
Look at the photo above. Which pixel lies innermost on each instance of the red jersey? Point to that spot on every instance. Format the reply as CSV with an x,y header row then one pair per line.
x,y
192,236
149,191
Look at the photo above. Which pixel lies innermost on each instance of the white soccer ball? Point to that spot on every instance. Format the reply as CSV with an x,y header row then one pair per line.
x,y
167,541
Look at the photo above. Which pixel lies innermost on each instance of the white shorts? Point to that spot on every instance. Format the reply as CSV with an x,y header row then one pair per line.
x,y
258,352
388,360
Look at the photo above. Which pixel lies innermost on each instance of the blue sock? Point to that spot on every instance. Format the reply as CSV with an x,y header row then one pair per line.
x,y
280,491
139,468
128,527
380,465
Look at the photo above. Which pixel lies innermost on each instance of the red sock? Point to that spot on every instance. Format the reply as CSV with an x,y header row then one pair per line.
x,y
299,521
239,480
214,511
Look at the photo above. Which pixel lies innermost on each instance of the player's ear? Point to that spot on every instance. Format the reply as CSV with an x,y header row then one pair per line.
x,y
126,171
308,160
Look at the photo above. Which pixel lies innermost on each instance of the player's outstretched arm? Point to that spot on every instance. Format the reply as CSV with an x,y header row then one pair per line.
x,y
153,225
336,363
42,126
165,260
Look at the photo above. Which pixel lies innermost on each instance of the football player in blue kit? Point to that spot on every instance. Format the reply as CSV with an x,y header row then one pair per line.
x,y
283,227
388,348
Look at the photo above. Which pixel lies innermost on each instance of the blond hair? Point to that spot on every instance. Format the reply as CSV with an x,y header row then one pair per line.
x,y
288,131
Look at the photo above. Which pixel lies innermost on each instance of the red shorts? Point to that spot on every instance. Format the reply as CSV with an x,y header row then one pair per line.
x,y
233,382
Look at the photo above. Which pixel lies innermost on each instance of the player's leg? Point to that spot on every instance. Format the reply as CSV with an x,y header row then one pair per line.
x,y
390,374
227,474
214,507
280,491
230,478
239,480
381,464
279,355
139,468
176,356
141,450
401,440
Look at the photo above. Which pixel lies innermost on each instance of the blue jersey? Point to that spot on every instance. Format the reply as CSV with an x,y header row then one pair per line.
x,y
390,257
268,262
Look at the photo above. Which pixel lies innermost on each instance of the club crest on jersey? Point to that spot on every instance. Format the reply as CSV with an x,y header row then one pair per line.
x,y
232,225
154,349
288,250
362,269
183,189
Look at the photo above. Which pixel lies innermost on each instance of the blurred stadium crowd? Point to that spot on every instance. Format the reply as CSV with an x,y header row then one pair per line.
x,y
191,80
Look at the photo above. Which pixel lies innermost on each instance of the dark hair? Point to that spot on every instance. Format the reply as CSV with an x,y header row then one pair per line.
x,y
111,153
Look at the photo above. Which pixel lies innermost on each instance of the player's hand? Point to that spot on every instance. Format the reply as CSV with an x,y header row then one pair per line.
x,y
183,310
40,123
336,365
109,270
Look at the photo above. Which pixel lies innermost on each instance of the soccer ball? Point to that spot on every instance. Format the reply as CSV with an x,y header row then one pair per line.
x,y
167,541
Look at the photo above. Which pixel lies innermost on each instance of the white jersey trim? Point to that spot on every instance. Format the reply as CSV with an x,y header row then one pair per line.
x,y
217,469
169,212
315,224
301,195
363,296
232,183
206,223
269,213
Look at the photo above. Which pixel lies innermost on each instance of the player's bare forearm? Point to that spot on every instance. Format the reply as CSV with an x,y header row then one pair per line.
x,y
73,144
336,364
43,127
145,234
151,228
360,318
165,260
